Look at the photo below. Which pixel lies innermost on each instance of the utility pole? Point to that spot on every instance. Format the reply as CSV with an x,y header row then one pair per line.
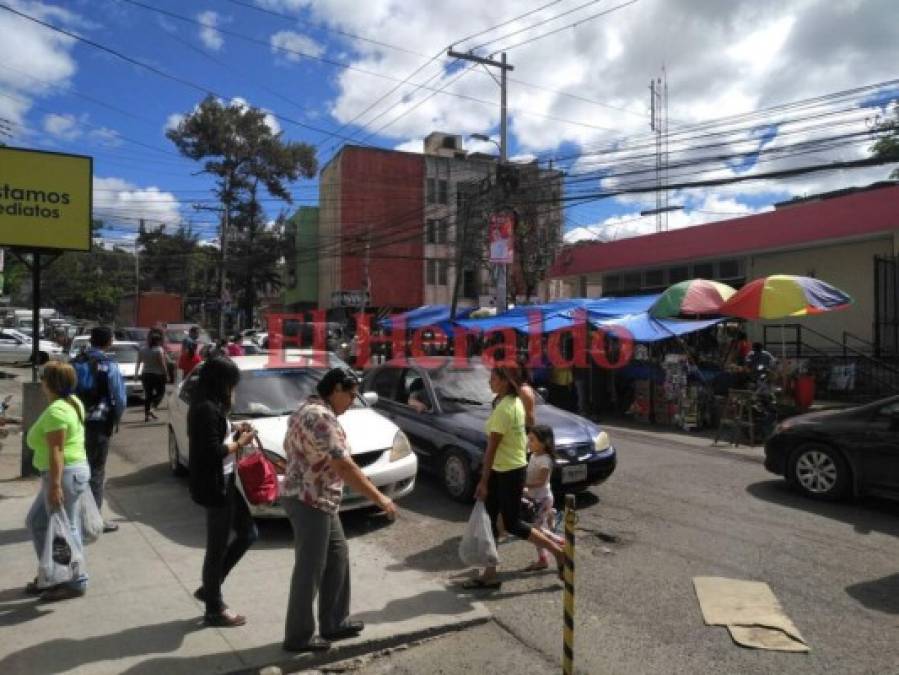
x,y
502,301
223,257
366,272
137,274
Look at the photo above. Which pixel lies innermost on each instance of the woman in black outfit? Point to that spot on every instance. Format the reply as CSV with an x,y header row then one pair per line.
x,y
213,448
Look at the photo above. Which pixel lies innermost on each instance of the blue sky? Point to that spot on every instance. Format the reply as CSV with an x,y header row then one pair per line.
x,y
575,94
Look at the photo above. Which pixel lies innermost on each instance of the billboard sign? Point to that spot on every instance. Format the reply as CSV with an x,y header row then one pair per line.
x,y
45,200
499,234
349,298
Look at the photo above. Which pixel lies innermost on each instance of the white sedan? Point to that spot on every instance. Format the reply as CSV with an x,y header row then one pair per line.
x,y
267,396
15,347
124,352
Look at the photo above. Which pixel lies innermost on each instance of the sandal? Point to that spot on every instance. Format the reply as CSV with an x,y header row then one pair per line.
x,y
482,584
537,566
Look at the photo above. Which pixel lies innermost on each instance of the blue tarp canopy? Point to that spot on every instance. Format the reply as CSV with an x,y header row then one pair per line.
x,y
559,314
644,328
426,315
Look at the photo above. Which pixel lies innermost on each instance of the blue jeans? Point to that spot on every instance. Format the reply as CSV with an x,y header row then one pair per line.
x,y
75,480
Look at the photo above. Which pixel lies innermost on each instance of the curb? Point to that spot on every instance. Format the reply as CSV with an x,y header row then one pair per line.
x,y
302,663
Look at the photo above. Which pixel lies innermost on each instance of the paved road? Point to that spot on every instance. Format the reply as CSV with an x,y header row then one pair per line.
x,y
673,511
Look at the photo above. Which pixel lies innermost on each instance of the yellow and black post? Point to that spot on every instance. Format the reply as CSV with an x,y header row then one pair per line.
x,y
568,578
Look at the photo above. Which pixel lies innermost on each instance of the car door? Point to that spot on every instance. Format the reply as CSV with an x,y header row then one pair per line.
x,y
880,449
417,422
9,348
179,403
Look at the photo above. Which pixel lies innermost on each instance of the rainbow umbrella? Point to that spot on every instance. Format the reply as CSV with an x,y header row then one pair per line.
x,y
783,295
694,297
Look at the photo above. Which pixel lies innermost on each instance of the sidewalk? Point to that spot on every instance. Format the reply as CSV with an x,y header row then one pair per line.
x,y
139,615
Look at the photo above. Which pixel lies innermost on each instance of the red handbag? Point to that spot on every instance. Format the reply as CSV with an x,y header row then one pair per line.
x,y
258,477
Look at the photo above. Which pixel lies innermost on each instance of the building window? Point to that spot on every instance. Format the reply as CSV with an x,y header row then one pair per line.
x,y
611,282
442,192
437,272
431,231
469,284
631,281
704,270
442,230
654,278
432,191
730,269
676,274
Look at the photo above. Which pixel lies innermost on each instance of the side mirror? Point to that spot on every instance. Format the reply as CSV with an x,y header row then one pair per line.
x,y
370,397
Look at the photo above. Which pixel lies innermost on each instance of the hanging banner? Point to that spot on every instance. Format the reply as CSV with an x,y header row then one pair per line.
x,y
499,234
45,200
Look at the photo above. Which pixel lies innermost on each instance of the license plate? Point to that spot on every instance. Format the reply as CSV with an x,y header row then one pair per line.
x,y
574,474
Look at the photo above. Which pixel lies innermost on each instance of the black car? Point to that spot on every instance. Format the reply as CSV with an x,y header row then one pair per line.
x,y
836,453
443,408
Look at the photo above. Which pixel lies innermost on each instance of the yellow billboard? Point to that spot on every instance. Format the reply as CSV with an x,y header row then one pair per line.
x,y
45,199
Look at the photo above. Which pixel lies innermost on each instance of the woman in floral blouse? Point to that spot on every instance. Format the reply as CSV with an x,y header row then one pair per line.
x,y
318,462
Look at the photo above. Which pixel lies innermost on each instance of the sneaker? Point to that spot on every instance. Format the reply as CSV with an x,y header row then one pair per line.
x,y
225,619
110,527
315,644
63,592
347,630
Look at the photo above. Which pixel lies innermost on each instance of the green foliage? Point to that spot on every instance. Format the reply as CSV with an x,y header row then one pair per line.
x,y
236,145
167,260
887,146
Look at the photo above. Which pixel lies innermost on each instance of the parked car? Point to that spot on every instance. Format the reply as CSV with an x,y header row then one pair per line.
x,y
15,347
266,397
125,354
836,453
449,435
136,334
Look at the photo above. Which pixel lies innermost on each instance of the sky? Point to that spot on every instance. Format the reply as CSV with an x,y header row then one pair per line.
x,y
331,72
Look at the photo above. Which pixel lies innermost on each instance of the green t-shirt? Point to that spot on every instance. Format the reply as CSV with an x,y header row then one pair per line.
x,y
507,419
58,415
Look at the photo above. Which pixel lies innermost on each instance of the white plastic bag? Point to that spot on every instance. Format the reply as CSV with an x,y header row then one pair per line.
x,y
62,559
477,548
91,520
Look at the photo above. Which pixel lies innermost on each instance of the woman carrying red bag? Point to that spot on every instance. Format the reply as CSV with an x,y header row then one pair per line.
x,y
213,447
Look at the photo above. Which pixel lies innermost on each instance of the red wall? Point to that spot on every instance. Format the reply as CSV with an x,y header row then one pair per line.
x,y
383,191
158,308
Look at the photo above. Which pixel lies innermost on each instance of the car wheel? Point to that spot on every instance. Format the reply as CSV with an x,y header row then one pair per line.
x,y
457,476
174,461
819,471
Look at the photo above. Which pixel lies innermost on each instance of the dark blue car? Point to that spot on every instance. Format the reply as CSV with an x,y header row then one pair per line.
x,y
443,408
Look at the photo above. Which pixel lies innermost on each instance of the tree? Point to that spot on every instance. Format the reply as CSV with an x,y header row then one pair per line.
x,y
238,147
887,146
166,260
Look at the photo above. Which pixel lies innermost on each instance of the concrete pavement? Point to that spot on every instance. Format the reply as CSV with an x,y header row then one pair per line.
x,y
139,615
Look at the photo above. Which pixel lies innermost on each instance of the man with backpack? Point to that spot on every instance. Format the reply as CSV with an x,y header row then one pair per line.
x,y
101,389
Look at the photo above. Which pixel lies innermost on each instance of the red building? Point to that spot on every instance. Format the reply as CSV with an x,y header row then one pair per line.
x,y
371,214
848,237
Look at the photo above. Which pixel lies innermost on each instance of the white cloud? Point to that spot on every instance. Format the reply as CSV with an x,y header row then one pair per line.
x,y
412,145
118,201
209,36
64,127
708,209
294,42
172,121
36,62
270,120
106,137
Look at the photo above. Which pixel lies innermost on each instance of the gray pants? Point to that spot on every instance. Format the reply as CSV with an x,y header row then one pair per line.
x,y
321,568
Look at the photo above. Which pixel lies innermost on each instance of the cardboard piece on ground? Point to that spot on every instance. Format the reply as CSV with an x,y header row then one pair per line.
x,y
750,611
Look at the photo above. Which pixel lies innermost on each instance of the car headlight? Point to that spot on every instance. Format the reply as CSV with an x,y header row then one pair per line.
x,y
400,448
602,441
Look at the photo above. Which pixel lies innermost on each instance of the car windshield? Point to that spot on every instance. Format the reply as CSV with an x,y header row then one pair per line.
x,y
468,386
123,353
272,392
179,334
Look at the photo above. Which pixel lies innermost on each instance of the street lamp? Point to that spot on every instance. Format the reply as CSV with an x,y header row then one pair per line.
x,y
486,139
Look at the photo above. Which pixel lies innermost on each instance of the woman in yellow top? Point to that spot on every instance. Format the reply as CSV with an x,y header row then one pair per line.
x,y
57,439
504,470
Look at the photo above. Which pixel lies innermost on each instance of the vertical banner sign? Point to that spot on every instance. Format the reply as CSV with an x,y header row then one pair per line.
x,y
499,234
45,200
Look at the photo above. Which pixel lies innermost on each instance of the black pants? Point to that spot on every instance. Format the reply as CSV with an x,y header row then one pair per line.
x,y
96,442
222,556
154,390
504,490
